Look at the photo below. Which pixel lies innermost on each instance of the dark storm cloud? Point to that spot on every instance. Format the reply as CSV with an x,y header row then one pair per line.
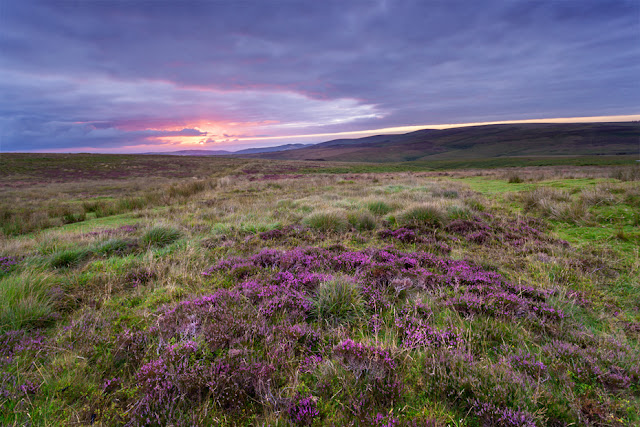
x,y
306,67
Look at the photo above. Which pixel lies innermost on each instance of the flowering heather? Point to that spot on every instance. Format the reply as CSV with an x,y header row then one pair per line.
x,y
404,235
7,263
416,332
302,409
528,362
477,291
615,367
139,277
486,229
182,377
503,417
15,347
364,359
18,342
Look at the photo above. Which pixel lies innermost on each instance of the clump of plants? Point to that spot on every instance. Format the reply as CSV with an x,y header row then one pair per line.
x,y
338,301
25,301
379,207
116,247
68,258
362,221
160,236
428,215
327,221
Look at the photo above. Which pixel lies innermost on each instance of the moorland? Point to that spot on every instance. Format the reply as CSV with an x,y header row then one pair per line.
x,y
159,290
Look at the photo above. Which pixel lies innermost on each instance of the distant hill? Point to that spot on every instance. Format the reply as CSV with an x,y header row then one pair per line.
x,y
489,141
285,147
227,153
193,153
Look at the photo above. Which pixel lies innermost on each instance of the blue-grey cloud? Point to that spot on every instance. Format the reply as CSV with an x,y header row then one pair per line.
x,y
303,67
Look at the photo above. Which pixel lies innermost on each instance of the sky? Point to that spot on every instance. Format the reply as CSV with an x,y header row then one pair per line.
x,y
140,76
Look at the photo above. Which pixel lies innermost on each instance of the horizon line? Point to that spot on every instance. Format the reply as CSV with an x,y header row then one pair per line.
x,y
357,134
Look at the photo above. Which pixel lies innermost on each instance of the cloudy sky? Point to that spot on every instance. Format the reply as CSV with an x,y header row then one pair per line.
x,y
136,76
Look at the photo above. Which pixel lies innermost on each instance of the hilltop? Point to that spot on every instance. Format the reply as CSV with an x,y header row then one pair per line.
x,y
489,141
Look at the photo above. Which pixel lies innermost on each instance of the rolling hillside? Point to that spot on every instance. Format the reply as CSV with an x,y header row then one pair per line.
x,y
489,141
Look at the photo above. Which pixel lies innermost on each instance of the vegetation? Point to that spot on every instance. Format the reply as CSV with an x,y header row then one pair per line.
x,y
254,297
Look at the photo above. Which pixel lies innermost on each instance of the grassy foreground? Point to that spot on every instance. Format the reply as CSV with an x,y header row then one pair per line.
x,y
265,297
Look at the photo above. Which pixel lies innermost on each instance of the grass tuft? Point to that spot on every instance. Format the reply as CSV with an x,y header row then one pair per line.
x,y
627,173
327,221
379,208
25,301
68,258
338,301
116,247
362,221
160,236
429,215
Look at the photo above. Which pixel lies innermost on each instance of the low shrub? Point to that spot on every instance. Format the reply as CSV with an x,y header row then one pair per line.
x,y
90,206
104,209
160,236
450,194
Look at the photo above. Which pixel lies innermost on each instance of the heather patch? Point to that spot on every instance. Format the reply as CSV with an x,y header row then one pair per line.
x,y
8,264
381,273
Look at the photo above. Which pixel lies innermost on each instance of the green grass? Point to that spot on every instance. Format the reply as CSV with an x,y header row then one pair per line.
x,y
379,207
68,258
25,301
426,215
330,221
362,220
160,236
338,301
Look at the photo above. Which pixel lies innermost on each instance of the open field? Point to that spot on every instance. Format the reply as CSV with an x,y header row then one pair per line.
x,y
200,291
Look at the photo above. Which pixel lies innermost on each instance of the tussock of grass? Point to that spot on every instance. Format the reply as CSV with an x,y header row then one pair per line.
x,y
379,208
25,301
68,258
459,212
430,215
160,236
627,173
542,199
117,247
327,221
362,221
338,301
